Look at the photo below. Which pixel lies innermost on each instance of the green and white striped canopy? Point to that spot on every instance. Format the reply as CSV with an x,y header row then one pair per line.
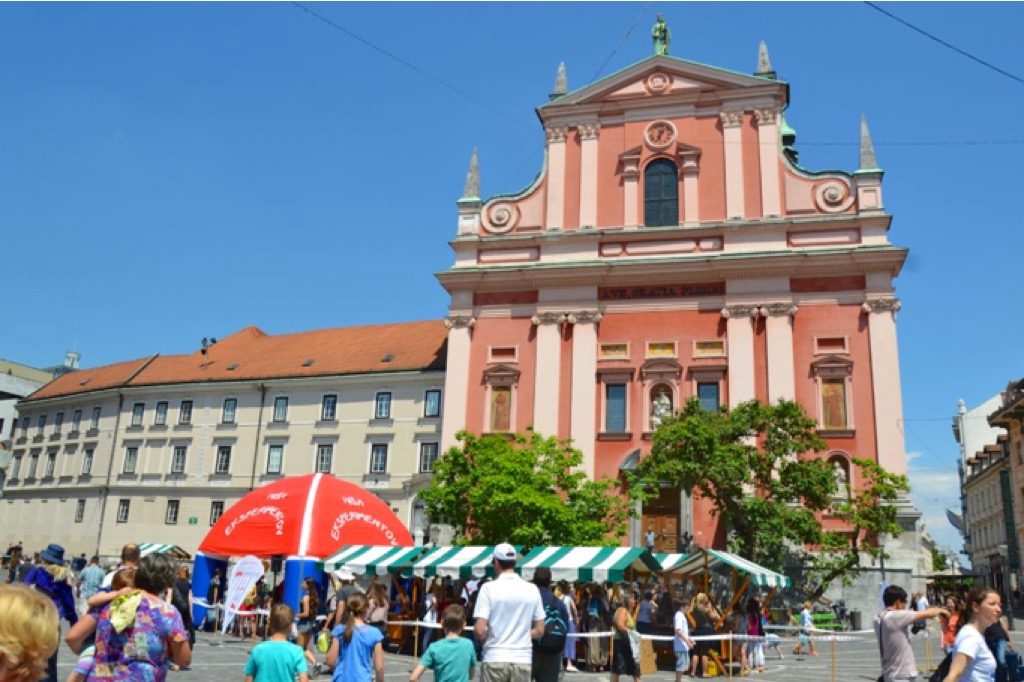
x,y
172,551
695,564
600,564
454,562
668,562
375,560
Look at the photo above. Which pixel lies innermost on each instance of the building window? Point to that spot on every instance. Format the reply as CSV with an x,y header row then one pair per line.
x,y
131,460
428,457
58,421
503,354
382,406
379,458
833,404
15,467
828,345
501,409
227,415
24,425
160,416
76,420
661,349
432,404
708,395
832,374
613,351
275,459
87,463
80,511
329,408
185,412
709,349
216,509
280,409
138,412
123,506
615,408
178,459
661,193
51,465
324,455
171,515
94,422
223,464
41,424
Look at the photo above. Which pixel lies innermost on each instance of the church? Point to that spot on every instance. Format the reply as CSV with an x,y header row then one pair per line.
x,y
672,247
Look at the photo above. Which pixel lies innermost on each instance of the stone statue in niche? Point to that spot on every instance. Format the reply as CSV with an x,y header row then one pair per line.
x,y
661,407
842,482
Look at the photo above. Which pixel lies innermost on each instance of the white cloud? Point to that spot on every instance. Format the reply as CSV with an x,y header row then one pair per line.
x,y
934,488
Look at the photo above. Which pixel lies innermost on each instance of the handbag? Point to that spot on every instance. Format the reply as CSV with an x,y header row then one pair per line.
x,y
634,645
323,641
943,670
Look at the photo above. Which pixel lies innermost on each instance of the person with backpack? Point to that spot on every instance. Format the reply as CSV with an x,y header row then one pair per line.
x,y
547,650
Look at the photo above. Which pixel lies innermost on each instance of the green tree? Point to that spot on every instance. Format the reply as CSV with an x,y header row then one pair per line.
x,y
940,562
526,490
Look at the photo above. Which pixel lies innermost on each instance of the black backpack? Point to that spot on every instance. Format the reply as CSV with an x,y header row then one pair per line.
x,y
555,630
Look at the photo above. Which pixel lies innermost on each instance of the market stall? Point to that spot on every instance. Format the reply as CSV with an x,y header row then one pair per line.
x,y
588,564
173,551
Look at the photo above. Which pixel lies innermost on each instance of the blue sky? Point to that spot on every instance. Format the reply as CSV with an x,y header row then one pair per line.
x,y
175,171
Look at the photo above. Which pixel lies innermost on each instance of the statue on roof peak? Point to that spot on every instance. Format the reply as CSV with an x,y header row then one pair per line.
x,y
662,36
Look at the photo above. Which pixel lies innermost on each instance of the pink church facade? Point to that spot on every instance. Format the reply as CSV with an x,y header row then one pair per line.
x,y
672,248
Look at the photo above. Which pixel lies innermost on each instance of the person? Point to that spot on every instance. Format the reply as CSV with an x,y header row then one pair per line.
x,y
547,664
52,578
452,658
182,599
626,650
647,613
806,634
509,613
78,563
80,637
704,615
973,661
347,589
650,538
564,593
90,579
139,635
130,557
892,627
950,623
755,629
997,637
355,646
377,616
740,629
431,599
598,621
277,659
309,606
13,563
681,642
29,633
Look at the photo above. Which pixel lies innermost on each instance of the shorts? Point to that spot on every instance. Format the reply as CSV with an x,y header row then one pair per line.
x,y
86,661
682,661
305,627
505,672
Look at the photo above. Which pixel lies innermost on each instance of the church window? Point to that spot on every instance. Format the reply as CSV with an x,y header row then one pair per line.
x,y
615,408
708,395
661,193
501,409
833,377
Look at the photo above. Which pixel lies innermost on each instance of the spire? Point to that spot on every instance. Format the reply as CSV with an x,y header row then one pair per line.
x,y
867,150
561,83
764,64
472,190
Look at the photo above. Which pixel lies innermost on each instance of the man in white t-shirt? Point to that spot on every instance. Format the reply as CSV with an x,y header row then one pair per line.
x,y
892,628
130,557
681,643
509,615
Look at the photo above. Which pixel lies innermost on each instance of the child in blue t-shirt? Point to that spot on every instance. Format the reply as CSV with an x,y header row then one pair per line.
x,y
453,658
277,659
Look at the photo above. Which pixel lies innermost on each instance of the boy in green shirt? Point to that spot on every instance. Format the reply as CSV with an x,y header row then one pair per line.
x,y
453,658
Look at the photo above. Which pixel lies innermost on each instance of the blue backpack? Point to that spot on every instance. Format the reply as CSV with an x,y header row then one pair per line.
x,y
555,630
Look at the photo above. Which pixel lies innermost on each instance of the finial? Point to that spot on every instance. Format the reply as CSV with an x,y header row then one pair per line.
x,y
561,83
472,190
661,35
764,64
867,150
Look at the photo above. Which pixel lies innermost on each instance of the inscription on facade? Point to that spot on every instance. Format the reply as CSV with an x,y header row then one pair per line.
x,y
661,291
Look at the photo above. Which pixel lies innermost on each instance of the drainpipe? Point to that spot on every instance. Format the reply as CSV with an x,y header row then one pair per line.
x,y
105,491
259,429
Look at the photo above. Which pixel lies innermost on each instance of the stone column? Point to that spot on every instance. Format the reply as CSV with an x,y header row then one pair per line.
x,y
740,336
548,372
779,330
885,380
583,411
732,121
456,382
768,143
556,177
588,173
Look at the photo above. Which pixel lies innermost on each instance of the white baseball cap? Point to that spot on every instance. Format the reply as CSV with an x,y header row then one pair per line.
x,y
344,573
505,552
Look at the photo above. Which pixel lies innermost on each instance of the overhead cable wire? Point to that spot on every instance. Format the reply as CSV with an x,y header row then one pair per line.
x,y
410,65
621,40
942,42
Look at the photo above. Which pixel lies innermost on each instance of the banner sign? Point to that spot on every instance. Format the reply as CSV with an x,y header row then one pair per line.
x,y
243,576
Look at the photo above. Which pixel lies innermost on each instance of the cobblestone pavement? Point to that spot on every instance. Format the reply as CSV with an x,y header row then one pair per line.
x,y
217,659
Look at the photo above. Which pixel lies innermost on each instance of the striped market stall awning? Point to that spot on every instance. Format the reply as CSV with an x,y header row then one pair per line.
x,y
668,562
372,559
600,564
454,562
172,551
710,558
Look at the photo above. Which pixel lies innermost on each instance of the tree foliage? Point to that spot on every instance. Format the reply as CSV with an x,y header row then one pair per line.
x,y
940,562
525,490
746,462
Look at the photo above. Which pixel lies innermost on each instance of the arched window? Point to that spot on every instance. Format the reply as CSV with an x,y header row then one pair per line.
x,y
661,193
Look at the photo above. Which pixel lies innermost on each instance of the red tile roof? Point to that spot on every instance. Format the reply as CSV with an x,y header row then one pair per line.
x,y
253,354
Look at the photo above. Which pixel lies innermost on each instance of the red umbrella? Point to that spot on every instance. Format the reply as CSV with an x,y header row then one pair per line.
x,y
310,516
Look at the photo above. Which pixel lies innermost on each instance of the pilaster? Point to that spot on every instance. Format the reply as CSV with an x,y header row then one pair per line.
x,y
768,141
732,122
779,333
556,176
456,383
885,380
548,372
739,321
589,133
582,414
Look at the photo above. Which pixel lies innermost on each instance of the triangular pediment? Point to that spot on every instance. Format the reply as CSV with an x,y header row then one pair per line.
x,y
658,76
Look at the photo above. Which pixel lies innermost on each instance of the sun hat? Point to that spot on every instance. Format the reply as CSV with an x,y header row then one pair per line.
x,y
344,573
505,552
54,554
